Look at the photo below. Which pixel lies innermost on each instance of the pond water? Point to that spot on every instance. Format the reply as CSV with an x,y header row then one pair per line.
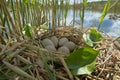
x,y
111,27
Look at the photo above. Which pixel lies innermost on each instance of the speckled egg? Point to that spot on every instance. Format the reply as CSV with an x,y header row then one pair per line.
x,y
70,45
50,47
54,39
64,49
47,42
62,41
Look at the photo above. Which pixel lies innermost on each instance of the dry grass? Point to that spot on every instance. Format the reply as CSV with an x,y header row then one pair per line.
x,y
26,52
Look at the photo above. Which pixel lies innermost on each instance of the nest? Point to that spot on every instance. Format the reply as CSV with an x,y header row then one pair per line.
x,y
30,56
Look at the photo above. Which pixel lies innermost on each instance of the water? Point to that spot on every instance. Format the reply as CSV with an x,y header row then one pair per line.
x,y
111,27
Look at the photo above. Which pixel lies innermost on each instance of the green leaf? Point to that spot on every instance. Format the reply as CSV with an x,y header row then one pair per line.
x,y
82,61
87,69
28,31
95,36
87,39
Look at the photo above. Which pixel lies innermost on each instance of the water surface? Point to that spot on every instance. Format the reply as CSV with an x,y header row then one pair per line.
x,y
111,27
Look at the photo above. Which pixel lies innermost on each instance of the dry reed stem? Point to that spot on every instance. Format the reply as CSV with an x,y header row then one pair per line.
x,y
66,68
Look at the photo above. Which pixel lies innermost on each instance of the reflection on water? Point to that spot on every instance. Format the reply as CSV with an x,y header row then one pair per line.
x,y
107,25
111,27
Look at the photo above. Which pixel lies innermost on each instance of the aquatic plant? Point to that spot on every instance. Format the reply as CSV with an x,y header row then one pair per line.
x,y
66,9
107,7
82,12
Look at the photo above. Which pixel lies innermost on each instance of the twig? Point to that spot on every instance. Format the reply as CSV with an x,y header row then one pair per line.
x,y
101,72
66,67
3,50
106,59
23,59
15,46
61,77
92,77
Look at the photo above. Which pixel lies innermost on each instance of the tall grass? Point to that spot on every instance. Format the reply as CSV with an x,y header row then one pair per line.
x,y
105,11
9,18
15,14
107,7
82,12
66,10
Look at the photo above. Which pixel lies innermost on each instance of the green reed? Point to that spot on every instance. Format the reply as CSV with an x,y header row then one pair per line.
x,y
105,11
66,9
82,12
107,7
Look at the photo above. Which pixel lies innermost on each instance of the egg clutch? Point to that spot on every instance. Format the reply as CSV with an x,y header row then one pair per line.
x,y
59,44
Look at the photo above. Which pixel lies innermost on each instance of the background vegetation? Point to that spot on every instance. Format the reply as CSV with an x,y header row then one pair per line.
x,y
15,14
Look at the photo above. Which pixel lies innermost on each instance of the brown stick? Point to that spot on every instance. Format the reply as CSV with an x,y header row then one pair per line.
x,y
66,67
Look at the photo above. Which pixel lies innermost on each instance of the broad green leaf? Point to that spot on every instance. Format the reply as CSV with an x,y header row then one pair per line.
x,y
95,36
87,69
81,58
28,31
87,39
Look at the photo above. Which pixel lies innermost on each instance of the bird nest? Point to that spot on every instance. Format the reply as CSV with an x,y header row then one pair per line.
x,y
28,58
